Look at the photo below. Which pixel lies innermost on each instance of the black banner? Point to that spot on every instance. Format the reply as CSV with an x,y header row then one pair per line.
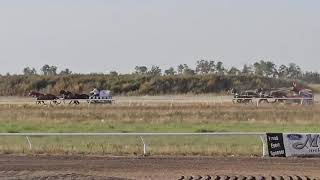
x,y
275,145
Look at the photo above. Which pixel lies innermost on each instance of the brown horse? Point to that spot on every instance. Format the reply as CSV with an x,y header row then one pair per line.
x,y
41,98
35,94
73,97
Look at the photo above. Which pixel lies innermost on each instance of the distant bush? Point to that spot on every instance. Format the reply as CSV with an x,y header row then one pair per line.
x,y
134,84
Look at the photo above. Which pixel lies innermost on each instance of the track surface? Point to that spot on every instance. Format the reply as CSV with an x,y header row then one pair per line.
x,y
87,167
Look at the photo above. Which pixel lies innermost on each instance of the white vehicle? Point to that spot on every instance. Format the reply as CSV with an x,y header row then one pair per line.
x,y
100,96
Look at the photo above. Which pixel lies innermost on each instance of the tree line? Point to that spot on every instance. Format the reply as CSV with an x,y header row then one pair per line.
x,y
207,77
46,70
204,67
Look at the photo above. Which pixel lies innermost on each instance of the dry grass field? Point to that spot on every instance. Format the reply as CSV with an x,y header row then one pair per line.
x,y
152,114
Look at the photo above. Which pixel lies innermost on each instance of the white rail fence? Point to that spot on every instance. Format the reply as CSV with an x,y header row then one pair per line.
x,y
141,135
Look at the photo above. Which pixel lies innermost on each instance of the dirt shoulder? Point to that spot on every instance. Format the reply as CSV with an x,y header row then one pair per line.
x,y
14,166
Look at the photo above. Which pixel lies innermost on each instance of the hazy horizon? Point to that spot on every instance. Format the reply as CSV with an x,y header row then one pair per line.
x,y
101,35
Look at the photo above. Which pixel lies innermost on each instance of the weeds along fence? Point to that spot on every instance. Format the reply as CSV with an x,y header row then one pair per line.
x,y
123,102
258,101
218,100
142,136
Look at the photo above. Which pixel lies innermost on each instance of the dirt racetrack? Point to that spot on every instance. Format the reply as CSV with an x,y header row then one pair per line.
x,y
88,167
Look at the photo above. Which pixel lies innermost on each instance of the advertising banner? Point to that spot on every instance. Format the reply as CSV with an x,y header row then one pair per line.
x,y
276,147
302,144
293,144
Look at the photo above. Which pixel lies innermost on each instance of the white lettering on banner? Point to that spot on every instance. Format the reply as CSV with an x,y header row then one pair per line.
x,y
275,153
274,138
277,145
302,144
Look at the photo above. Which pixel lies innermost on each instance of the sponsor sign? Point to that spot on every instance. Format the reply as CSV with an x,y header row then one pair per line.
x,y
293,144
276,146
302,144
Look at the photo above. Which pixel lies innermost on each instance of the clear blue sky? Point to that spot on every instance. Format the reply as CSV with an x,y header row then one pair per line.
x,y
105,35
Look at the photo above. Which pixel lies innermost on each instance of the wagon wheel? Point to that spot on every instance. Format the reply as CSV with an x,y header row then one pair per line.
x,y
274,100
41,102
240,101
281,100
56,102
307,102
263,101
74,102
247,101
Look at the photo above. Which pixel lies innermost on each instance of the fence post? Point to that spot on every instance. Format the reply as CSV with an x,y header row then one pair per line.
x,y
29,142
258,99
144,146
264,146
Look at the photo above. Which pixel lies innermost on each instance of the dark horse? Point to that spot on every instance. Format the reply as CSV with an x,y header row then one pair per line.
x,y
73,97
41,98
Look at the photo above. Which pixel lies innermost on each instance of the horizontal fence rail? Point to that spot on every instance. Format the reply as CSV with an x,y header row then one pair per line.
x,y
138,134
28,136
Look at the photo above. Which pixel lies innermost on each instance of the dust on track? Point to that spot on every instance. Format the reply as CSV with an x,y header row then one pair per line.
x,y
94,167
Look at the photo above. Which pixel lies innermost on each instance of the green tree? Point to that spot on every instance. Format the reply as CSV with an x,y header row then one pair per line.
x,y
189,72
270,69
265,68
246,70
219,68
205,67
185,70
283,71
234,71
294,71
180,68
113,73
154,71
170,72
29,71
49,70
258,69
141,70
66,72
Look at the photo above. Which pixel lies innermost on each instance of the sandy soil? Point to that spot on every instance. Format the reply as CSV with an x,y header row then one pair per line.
x,y
88,167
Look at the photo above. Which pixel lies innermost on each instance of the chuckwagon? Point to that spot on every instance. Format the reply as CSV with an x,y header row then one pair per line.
x,y
295,94
102,96
96,96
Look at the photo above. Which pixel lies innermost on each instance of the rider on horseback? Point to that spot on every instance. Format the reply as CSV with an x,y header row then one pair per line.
x,y
301,91
95,92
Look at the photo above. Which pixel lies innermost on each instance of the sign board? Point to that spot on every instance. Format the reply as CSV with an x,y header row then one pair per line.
x,y
276,147
302,144
293,144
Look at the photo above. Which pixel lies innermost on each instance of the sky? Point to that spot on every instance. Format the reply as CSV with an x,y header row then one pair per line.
x,y
105,35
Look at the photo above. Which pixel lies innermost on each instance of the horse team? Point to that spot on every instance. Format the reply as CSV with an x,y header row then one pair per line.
x,y
64,95
295,94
